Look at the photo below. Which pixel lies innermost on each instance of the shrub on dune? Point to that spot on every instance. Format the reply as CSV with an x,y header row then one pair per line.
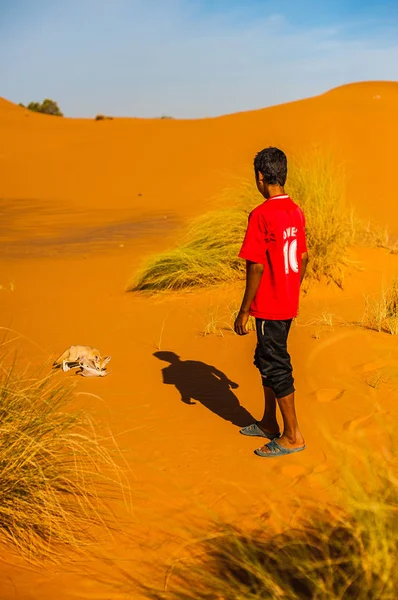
x,y
55,473
47,107
207,254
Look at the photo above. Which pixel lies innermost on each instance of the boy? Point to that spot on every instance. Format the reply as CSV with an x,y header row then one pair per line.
x,y
276,260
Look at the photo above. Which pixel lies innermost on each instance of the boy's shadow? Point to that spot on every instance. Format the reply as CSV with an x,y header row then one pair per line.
x,y
196,380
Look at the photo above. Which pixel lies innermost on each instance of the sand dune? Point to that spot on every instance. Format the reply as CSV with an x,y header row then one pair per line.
x,y
82,202
178,166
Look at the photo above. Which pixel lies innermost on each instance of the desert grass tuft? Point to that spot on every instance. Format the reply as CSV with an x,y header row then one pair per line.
x,y
381,312
56,473
341,551
207,254
377,237
220,320
323,324
317,185
344,549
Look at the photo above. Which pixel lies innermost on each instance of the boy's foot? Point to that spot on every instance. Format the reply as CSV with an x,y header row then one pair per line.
x,y
285,444
256,430
273,449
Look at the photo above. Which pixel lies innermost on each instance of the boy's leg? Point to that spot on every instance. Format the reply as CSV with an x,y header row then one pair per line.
x,y
274,362
268,422
291,436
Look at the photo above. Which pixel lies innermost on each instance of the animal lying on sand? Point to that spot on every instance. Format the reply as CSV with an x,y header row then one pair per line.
x,y
85,358
89,370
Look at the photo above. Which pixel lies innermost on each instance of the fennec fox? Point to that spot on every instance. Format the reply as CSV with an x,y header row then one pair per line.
x,y
88,369
76,356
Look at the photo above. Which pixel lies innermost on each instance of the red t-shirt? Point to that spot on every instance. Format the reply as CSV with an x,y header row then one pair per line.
x,y
275,237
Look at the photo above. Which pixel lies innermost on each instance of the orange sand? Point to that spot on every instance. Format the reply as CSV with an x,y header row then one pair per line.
x,y
84,201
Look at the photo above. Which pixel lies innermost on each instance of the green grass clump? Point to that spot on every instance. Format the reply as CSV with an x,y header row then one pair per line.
x,y
207,254
55,472
381,312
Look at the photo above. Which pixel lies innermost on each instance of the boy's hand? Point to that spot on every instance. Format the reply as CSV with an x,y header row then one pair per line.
x,y
240,323
187,401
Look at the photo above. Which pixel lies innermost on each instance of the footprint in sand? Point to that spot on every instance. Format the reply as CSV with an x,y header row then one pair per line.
x,y
363,421
328,394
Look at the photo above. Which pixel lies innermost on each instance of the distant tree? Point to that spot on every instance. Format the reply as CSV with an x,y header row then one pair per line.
x,y
47,107
103,118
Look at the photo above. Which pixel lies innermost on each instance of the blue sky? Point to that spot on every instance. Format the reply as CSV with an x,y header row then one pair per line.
x,y
190,58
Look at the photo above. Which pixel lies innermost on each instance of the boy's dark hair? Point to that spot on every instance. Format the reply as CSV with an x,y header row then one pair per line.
x,y
272,164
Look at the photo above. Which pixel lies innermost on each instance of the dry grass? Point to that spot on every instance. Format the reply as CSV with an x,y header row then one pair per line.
x,y
375,379
220,320
214,322
10,287
326,320
318,187
377,237
323,324
56,473
207,253
344,551
381,312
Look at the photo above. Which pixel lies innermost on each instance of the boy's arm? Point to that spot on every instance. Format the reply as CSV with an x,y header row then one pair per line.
x,y
254,272
304,263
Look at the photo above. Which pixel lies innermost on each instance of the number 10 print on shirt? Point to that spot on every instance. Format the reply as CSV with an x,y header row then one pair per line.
x,y
290,250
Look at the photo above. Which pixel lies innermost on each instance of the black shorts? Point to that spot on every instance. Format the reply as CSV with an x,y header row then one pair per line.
x,y
272,358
